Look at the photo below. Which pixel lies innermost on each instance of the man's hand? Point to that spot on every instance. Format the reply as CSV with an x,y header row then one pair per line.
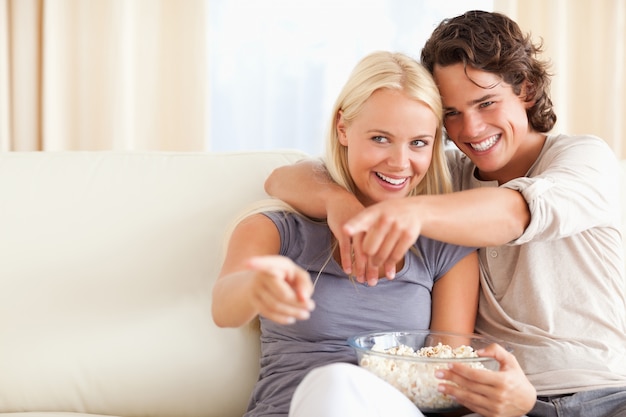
x,y
381,235
339,210
353,259
506,393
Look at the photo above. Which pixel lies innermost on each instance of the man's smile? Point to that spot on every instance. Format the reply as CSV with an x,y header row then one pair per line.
x,y
486,144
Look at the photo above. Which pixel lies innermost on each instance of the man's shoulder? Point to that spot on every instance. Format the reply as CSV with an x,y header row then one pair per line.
x,y
565,141
587,149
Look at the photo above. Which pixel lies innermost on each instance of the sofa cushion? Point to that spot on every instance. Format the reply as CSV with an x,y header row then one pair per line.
x,y
106,266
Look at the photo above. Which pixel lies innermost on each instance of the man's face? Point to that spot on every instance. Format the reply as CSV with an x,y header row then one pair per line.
x,y
487,121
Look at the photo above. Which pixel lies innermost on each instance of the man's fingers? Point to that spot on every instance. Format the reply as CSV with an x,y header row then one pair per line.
x,y
345,252
360,223
359,259
390,269
375,239
479,380
402,246
387,250
384,245
498,352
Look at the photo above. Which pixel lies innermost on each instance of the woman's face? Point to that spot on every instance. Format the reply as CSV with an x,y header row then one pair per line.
x,y
389,145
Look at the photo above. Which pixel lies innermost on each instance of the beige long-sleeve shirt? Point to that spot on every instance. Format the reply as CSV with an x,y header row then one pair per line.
x,y
556,294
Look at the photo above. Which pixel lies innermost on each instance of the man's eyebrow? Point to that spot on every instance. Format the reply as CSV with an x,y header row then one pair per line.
x,y
473,102
481,99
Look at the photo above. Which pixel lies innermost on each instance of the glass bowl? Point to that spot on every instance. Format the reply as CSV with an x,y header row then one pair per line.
x,y
399,358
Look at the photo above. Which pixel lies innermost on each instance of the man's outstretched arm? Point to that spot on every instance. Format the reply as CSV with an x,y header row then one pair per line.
x,y
308,188
478,217
381,234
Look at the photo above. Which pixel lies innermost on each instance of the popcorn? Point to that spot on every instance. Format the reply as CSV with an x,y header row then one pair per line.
x,y
417,380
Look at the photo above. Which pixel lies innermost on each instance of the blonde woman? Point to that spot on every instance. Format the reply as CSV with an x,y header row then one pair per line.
x,y
384,142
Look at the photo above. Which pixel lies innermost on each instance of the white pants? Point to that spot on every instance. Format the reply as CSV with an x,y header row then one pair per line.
x,y
345,390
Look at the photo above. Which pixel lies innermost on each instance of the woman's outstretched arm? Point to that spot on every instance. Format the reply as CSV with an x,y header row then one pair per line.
x,y
255,280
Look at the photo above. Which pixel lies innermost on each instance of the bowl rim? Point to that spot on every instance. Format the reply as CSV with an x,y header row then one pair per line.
x,y
489,339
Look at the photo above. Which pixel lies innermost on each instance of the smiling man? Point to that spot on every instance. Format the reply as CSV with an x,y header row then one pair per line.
x,y
544,209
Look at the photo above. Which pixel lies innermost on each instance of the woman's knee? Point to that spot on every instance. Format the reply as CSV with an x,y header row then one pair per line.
x,y
342,389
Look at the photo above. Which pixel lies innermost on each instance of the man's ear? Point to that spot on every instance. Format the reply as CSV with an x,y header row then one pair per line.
x,y
341,129
527,94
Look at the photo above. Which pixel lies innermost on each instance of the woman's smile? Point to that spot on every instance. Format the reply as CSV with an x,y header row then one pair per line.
x,y
394,181
389,145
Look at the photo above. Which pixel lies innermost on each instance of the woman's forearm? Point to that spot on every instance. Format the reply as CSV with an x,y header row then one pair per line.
x,y
231,306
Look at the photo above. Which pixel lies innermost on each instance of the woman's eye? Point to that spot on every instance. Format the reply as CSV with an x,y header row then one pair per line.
x,y
380,139
419,143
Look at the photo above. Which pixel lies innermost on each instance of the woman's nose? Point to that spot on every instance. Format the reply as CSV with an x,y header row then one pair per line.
x,y
399,157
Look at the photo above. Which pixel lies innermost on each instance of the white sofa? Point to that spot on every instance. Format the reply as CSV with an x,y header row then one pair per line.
x,y
106,266
107,260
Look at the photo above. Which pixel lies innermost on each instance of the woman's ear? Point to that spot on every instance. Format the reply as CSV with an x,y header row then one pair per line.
x,y
341,129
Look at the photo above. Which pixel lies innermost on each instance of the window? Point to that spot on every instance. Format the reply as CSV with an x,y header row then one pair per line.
x,y
276,66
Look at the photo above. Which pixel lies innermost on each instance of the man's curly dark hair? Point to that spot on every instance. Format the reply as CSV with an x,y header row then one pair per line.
x,y
493,42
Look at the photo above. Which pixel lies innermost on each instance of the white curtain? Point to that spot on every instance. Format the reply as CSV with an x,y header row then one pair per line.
x,y
278,65
246,74
103,74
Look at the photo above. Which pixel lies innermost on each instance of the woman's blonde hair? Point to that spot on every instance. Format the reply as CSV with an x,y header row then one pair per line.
x,y
394,71
382,69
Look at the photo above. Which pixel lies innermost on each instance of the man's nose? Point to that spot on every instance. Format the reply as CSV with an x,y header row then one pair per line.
x,y
472,126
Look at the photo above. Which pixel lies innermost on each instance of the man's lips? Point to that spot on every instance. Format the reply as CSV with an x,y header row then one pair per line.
x,y
485,145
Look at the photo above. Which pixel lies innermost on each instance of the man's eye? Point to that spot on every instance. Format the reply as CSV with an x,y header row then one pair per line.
x,y
486,104
450,113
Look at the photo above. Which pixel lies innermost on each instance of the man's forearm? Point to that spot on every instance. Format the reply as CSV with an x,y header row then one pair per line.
x,y
479,217
306,186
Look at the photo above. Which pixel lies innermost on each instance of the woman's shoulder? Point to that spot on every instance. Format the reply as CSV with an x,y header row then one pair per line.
x,y
294,219
298,230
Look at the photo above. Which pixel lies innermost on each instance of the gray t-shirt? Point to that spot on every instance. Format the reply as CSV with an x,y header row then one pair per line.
x,y
343,308
556,293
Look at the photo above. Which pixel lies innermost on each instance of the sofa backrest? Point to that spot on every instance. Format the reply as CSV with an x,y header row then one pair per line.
x,y
622,193
106,266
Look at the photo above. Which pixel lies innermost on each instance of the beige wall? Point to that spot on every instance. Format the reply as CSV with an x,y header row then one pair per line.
x,y
585,40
